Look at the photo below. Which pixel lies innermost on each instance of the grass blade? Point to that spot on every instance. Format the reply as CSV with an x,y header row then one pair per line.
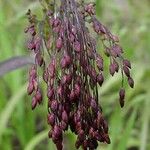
x,y
36,140
126,134
9,108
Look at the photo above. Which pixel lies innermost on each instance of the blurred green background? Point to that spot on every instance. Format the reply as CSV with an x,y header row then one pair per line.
x,y
21,128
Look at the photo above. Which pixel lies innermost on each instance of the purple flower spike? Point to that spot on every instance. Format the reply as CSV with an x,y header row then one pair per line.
x,y
72,68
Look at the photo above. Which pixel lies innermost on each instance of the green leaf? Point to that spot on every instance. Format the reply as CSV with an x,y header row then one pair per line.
x,y
9,108
36,140
145,119
115,126
127,131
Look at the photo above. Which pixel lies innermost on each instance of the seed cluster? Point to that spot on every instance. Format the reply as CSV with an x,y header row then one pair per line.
x,y
73,70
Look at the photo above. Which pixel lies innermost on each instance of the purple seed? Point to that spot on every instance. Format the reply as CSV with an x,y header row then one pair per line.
x,y
59,43
51,119
126,71
34,103
127,63
131,82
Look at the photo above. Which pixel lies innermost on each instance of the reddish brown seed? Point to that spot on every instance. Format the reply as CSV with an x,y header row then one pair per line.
x,y
59,145
51,70
122,93
93,74
59,43
77,89
65,61
121,97
112,69
73,30
56,22
66,79
116,50
50,92
131,82
116,66
54,105
64,125
126,71
105,126
39,59
34,102
102,29
60,91
99,62
81,135
30,88
50,134
115,38
31,45
93,104
72,95
100,79
56,30
91,132
64,116
57,132
107,51
107,139
127,63
77,46
33,72
51,119
71,37
96,27
38,96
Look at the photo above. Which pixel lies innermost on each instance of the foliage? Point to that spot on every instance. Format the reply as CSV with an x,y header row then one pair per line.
x,y
20,128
